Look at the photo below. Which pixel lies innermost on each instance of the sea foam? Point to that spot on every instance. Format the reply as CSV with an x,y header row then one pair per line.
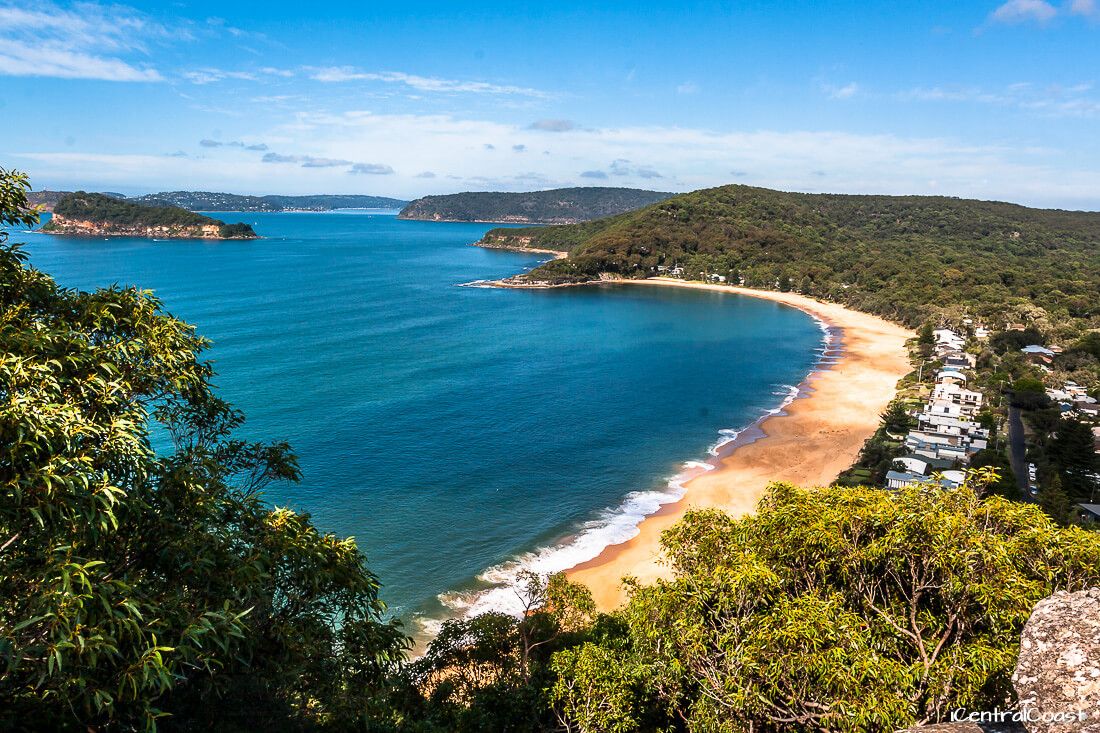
x,y
500,589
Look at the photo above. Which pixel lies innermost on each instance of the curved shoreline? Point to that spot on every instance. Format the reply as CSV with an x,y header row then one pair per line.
x,y
810,442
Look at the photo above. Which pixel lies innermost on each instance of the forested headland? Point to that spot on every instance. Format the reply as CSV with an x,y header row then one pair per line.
x,y
556,206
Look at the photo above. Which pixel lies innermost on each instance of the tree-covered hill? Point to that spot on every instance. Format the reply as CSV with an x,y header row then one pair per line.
x,y
97,213
557,206
46,199
216,201
903,257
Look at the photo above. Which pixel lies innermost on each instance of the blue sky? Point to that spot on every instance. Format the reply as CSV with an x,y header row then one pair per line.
x,y
967,98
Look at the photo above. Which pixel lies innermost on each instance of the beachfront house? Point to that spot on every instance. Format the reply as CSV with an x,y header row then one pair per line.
x,y
950,398
948,339
951,375
946,479
1088,513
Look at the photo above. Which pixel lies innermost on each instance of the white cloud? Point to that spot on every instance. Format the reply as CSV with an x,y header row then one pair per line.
x,y
335,74
1019,11
86,41
688,87
847,91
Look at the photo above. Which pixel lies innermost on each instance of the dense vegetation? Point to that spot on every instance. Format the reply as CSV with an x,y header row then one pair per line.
x,y
132,582
557,206
907,258
212,201
117,213
48,199
143,588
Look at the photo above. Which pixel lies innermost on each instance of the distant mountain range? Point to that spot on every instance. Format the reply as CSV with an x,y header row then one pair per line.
x,y
557,206
212,201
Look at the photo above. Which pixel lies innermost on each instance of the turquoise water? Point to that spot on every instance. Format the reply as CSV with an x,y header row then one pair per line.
x,y
458,433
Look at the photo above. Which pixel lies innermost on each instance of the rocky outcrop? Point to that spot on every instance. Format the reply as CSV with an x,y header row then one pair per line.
x,y
1058,675
85,228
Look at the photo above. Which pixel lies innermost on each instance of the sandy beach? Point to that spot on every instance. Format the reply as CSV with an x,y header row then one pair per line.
x,y
816,438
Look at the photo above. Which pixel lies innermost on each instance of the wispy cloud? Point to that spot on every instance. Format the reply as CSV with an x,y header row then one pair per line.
x,y
688,87
212,75
312,161
85,41
553,125
207,143
846,91
335,74
623,167
1053,100
1020,11
306,161
371,169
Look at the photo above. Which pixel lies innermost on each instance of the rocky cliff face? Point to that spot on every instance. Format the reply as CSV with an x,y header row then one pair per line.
x,y
86,227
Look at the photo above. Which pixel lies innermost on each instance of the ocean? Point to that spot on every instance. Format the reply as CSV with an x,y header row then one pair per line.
x,y
458,433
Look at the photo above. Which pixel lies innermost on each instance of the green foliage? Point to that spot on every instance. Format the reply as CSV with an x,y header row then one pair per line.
x,y
235,231
492,672
1029,393
903,257
1072,452
1005,483
558,206
1054,501
136,583
1005,341
1089,344
835,609
897,419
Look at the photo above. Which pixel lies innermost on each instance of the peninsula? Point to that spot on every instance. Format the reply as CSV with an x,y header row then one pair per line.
x,y
96,214
556,206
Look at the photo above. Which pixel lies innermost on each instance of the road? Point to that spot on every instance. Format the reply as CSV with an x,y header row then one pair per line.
x,y
1017,450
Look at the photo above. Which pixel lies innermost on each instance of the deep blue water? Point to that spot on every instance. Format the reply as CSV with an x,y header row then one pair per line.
x,y
453,429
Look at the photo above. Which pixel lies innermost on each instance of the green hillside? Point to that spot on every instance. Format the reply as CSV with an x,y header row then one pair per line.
x,y
903,257
557,206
